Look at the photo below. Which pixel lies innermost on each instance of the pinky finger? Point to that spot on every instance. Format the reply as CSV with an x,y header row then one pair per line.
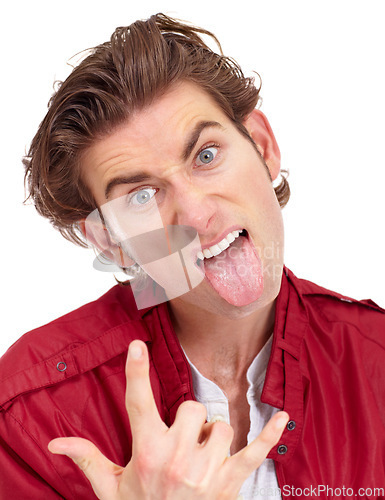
x,y
251,457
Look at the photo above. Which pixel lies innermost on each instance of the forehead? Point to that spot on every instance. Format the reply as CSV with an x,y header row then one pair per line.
x,y
151,139
180,105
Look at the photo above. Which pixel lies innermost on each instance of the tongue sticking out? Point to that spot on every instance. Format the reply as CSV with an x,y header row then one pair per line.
x,y
236,273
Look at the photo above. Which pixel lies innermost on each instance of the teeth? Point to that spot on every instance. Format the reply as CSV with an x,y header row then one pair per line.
x,y
207,253
223,244
214,250
230,238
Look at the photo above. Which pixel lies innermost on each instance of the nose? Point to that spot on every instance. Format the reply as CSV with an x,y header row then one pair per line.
x,y
193,207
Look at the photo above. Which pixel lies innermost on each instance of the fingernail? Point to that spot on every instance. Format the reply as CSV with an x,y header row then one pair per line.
x,y
135,350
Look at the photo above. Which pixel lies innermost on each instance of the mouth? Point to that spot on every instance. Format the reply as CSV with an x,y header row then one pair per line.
x,y
233,268
221,246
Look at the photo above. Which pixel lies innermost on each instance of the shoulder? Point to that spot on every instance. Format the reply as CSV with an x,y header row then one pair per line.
x,y
337,305
330,309
72,344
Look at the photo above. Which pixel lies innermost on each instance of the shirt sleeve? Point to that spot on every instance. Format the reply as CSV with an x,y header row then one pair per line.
x,y
26,471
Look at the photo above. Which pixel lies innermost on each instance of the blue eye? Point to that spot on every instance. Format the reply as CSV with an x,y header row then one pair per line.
x,y
207,156
143,196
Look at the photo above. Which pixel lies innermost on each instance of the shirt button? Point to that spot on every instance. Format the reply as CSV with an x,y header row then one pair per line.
x,y
290,425
217,418
61,366
282,449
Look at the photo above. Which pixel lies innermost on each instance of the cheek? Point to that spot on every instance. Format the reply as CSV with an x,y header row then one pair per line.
x,y
256,194
251,184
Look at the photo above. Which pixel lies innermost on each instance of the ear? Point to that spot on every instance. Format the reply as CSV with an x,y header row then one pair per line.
x,y
98,236
259,129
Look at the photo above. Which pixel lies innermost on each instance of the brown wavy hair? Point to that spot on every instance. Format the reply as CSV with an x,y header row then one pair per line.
x,y
121,76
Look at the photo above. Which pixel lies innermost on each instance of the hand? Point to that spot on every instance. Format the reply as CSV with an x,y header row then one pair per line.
x,y
189,460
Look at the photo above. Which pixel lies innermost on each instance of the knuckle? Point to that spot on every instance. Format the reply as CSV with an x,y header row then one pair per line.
x,y
201,488
174,473
141,463
267,439
223,430
83,463
137,372
170,471
193,408
140,405
86,461
249,463
177,477
226,493
144,463
134,409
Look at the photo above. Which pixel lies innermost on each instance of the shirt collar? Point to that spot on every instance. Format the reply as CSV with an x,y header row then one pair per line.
x,y
208,391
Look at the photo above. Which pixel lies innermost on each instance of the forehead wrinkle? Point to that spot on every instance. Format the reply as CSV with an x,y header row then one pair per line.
x,y
148,141
142,176
97,161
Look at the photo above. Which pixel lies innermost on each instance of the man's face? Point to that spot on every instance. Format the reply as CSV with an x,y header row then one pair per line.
x,y
184,156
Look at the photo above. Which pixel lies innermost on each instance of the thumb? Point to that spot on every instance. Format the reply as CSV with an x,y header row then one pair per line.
x,y
101,472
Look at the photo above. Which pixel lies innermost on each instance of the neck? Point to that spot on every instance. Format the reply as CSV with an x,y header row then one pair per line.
x,y
216,344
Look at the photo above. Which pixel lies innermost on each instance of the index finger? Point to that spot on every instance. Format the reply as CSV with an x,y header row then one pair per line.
x,y
140,403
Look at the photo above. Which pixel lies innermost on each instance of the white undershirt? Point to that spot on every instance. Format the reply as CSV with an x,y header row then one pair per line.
x,y
262,483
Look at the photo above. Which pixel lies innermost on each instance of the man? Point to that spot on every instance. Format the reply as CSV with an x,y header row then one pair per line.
x,y
153,142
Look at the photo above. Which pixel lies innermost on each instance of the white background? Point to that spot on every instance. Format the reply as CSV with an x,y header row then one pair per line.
x,y
322,67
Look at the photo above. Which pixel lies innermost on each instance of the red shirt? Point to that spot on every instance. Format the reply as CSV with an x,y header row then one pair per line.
x,y
327,370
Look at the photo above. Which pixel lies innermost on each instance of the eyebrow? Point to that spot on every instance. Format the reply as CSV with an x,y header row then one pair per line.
x,y
130,179
189,146
195,134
